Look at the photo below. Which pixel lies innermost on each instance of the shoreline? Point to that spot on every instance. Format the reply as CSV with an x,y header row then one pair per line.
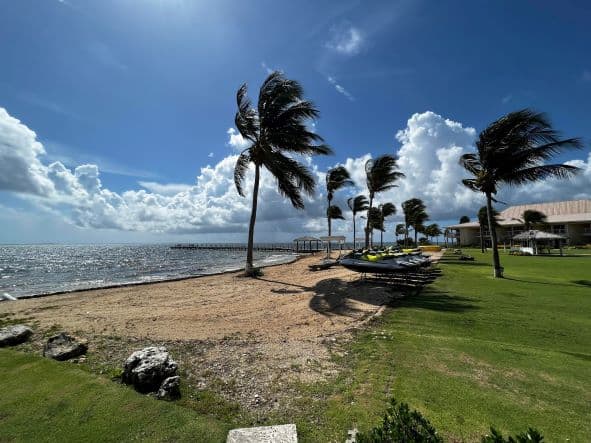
x,y
152,282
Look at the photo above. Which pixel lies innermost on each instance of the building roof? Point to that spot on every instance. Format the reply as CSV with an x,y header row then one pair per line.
x,y
556,212
538,235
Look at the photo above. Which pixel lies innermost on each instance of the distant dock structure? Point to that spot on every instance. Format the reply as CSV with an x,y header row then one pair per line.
x,y
299,245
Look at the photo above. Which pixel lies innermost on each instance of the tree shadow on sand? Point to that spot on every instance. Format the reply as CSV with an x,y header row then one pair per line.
x,y
335,296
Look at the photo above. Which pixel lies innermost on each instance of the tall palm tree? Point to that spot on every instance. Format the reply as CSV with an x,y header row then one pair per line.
x,y
533,218
415,215
276,130
381,175
385,210
484,225
464,219
336,178
513,151
356,205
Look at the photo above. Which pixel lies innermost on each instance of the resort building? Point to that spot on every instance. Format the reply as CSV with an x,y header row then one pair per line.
x,y
571,219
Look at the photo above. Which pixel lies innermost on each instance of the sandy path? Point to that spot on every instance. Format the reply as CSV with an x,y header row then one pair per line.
x,y
288,302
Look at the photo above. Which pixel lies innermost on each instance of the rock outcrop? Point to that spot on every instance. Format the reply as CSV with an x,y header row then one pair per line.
x,y
148,368
14,335
64,347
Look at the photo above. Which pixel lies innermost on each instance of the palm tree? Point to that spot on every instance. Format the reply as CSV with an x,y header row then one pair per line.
x,y
533,218
336,178
513,151
414,215
484,225
400,230
381,175
432,230
385,210
464,219
276,130
356,205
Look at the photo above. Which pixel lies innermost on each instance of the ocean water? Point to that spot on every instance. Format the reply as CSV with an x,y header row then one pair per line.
x,y
27,270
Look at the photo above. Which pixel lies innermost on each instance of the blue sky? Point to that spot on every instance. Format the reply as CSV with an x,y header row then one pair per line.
x,y
143,92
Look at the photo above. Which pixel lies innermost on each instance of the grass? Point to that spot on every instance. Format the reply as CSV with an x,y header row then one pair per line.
x,y
467,352
43,400
470,352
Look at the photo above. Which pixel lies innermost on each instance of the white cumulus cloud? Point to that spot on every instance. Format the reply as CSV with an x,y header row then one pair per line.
x,y
236,141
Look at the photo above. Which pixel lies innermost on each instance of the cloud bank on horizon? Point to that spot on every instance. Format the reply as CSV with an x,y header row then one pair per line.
x,y
430,146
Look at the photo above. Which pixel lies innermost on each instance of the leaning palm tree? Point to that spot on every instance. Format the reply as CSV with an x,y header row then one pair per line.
x,y
276,130
336,178
513,151
533,218
356,205
432,230
381,175
385,210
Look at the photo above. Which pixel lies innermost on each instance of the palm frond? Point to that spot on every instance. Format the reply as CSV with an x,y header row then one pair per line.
x,y
334,212
358,203
387,209
292,177
337,178
246,119
240,171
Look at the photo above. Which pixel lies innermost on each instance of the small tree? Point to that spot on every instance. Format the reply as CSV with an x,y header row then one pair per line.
x,y
336,178
464,219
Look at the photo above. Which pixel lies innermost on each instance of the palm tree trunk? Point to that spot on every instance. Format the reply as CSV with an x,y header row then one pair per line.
x,y
253,216
354,231
406,236
381,239
367,223
329,228
416,235
498,271
481,239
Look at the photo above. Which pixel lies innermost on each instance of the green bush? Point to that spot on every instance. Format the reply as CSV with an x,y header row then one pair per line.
x,y
401,425
530,436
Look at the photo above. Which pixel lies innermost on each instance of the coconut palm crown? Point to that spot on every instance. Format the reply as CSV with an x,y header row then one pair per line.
x,y
381,175
514,150
356,205
276,130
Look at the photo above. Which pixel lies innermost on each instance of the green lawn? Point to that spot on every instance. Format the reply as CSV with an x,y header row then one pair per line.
x,y
468,352
471,351
43,400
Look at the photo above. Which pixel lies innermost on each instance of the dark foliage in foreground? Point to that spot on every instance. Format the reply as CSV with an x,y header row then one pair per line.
x,y
401,425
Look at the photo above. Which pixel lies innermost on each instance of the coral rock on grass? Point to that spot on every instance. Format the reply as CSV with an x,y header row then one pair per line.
x,y
148,368
14,335
64,347
170,389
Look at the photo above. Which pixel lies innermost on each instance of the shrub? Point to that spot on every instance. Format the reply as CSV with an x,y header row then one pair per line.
x,y
530,436
401,425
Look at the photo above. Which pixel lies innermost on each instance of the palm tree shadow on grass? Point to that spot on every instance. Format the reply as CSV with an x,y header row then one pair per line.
x,y
447,261
436,301
583,282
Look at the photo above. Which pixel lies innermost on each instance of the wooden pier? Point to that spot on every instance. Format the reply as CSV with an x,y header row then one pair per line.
x,y
235,247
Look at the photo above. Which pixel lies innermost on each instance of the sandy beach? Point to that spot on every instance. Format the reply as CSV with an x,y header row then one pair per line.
x,y
288,302
247,337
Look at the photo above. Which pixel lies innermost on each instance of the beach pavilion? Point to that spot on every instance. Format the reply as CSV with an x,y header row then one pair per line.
x,y
534,239
309,240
